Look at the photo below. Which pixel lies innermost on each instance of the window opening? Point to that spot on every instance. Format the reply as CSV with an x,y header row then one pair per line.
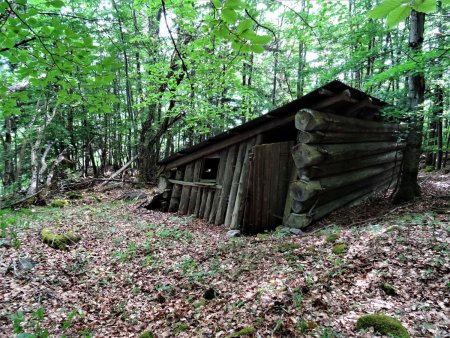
x,y
210,169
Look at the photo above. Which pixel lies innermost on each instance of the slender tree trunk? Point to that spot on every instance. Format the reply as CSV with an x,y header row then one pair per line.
x,y
8,173
408,187
439,97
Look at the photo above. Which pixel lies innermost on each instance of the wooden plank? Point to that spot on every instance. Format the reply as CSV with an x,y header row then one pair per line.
x,y
176,192
185,192
307,155
198,201
216,195
194,189
226,186
239,205
203,203
209,200
322,170
289,200
304,190
235,182
303,220
196,184
309,119
322,137
270,124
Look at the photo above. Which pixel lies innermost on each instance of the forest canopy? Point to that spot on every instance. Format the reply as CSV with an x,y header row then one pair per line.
x,y
88,86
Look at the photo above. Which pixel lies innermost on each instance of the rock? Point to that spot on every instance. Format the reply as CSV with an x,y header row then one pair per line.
x,y
5,243
210,294
233,233
296,231
58,241
22,264
385,325
133,195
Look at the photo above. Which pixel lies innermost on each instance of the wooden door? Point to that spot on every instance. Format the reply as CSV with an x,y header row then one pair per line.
x,y
268,183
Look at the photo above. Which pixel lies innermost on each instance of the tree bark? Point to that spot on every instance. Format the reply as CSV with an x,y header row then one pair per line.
x,y
408,187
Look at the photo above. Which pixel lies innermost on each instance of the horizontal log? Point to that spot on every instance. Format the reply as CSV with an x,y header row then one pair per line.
x,y
309,119
330,195
301,221
329,169
305,189
307,155
324,137
196,184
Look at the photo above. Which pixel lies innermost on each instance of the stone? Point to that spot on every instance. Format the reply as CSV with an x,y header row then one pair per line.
x,y
233,233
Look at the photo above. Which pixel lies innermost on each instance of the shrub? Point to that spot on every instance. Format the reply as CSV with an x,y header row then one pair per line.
x,y
383,324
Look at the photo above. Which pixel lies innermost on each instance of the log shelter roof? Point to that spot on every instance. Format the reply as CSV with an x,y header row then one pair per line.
x,y
335,97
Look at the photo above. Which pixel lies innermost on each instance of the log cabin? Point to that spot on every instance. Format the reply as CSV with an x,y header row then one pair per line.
x,y
290,166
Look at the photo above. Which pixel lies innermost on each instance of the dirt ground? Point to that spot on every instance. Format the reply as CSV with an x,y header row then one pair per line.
x,y
136,270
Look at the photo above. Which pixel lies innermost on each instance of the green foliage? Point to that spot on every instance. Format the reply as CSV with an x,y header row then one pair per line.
x,y
59,203
242,332
147,334
180,327
339,249
331,238
382,324
398,10
34,325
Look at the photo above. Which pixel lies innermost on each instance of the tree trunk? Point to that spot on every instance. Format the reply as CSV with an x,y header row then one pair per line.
x,y
409,188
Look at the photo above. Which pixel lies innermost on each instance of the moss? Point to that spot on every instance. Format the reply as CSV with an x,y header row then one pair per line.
x,y
263,236
180,327
242,332
394,228
58,241
340,248
147,334
74,195
429,169
383,324
389,289
331,238
288,247
59,203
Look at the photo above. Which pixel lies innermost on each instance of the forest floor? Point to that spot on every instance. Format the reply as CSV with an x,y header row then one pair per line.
x,y
137,270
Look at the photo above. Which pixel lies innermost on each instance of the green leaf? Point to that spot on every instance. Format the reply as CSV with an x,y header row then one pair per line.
x,y
56,3
424,6
223,32
398,15
244,25
3,7
384,8
229,15
260,39
446,2
217,3
236,45
257,48
233,4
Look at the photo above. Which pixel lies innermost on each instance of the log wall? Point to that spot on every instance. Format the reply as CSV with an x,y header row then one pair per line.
x,y
339,160
219,202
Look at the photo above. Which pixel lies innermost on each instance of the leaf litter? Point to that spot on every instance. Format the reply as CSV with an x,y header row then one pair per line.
x,y
137,270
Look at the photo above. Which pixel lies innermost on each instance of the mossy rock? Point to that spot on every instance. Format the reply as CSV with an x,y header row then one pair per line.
x,y
388,289
57,241
331,238
339,249
59,203
428,169
385,325
147,334
248,330
74,195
